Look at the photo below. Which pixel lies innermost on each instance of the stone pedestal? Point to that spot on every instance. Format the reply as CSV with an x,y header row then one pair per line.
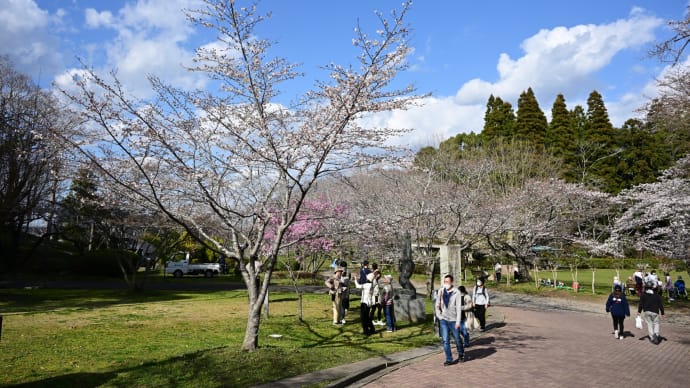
x,y
409,306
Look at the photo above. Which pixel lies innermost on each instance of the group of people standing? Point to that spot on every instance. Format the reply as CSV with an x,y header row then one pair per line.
x,y
455,308
640,279
377,296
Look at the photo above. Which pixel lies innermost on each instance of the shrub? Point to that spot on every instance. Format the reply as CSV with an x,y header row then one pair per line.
x,y
102,262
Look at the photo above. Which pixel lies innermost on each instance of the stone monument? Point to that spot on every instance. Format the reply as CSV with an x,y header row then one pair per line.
x,y
408,306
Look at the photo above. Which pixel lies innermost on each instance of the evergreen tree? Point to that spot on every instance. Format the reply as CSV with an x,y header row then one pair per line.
x,y
669,120
499,119
599,128
601,138
460,142
531,123
560,137
81,210
640,159
575,161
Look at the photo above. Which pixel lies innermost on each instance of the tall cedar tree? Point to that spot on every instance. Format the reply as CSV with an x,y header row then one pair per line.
x,y
499,119
531,122
572,169
600,133
560,136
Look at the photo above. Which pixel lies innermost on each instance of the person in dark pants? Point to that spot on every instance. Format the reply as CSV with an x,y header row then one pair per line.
x,y
652,309
376,289
617,305
466,306
498,268
480,301
365,304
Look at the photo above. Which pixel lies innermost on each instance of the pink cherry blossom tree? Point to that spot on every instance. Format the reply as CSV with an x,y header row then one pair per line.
x,y
226,164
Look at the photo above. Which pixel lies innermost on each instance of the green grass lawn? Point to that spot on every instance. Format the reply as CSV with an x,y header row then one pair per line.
x,y
161,338
112,338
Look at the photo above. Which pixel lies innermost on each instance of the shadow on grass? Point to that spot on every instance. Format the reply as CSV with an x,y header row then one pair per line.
x,y
43,300
209,368
84,379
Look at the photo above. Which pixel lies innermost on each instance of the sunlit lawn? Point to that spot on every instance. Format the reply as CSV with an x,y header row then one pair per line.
x,y
162,338
111,338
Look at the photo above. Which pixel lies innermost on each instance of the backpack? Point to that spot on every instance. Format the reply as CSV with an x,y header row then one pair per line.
x,y
363,275
474,292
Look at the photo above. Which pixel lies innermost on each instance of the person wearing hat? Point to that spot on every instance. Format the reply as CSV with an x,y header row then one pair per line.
x,y
618,306
652,309
365,304
336,288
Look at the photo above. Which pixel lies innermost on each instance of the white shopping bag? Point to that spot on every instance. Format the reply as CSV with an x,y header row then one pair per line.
x,y
638,322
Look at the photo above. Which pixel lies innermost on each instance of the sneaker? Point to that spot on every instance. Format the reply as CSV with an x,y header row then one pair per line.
x,y
620,338
460,359
453,362
615,333
389,331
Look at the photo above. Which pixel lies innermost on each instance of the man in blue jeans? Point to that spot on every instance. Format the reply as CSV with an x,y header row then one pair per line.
x,y
448,312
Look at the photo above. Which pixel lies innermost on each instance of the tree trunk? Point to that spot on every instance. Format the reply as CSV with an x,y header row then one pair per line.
x,y
251,333
299,301
256,302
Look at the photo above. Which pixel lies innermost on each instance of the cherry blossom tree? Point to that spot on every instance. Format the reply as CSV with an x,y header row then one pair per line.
x,y
657,215
385,204
544,212
224,165
672,49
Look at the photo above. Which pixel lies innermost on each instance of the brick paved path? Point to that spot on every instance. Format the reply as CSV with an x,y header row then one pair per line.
x,y
533,348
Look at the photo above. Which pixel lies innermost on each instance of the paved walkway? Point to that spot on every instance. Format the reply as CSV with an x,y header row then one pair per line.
x,y
549,348
532,341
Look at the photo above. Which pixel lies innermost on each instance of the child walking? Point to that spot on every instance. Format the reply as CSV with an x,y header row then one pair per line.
x,y
617,305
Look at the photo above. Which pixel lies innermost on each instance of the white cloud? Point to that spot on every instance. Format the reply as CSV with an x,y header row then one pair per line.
x,y
22,16
560,60
563,59
151,37
25,36
434,121
95,19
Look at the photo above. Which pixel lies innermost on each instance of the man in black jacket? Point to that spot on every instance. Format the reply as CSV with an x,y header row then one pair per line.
x,y
652,310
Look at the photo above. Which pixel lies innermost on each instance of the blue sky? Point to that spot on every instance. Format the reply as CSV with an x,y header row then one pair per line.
x,y
464,50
